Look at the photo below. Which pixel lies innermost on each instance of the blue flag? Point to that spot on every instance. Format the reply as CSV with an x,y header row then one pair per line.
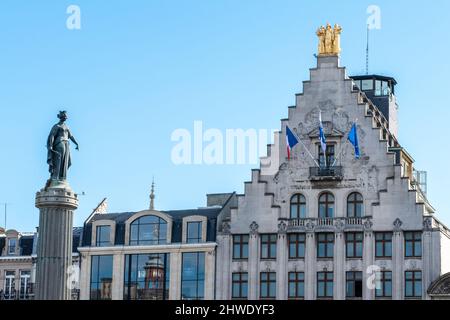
x,y
353,138
291,141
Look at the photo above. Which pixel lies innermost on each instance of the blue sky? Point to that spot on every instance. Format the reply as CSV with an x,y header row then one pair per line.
x,y
138,70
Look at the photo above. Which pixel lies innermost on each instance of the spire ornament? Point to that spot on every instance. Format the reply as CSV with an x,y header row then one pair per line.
x,y
152,196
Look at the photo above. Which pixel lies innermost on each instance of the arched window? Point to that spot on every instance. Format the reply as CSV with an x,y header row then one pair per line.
x,y
326,205
355,205
148,230
298,206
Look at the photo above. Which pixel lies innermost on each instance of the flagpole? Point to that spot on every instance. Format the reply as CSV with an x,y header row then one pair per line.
x,y
307,150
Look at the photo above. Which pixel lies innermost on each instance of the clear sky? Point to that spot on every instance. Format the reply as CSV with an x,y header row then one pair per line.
x,y
138,70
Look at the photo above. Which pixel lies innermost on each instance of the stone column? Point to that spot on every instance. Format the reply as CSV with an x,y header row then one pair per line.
x,y
368,260
85,276
310,266
397,265
175,276
253,263
339,266
210,270
282,263
118,276
54,252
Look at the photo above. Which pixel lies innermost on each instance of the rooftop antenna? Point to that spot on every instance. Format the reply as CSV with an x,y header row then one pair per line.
x,y
367,51
6,210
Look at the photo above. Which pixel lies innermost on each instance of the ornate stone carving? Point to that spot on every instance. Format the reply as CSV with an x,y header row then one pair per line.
x,y
427,224
397,224
254,228
340,225
310,226
282,226
226,227
368,225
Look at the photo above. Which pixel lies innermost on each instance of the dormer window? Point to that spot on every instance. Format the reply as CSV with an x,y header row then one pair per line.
x,y
12,245
148,230
194,232
103,236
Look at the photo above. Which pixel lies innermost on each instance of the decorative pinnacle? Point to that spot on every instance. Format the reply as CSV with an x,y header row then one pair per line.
x,y
152,196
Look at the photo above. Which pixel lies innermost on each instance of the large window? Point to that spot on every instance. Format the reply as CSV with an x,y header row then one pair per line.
x,y
240,285
268,246
194,232
268,285
298,206
353,287
297,245
147,277
148,230
354,244
10,285
240,246
193,276
413,284
384,287
25,285
382,88
324,285
101,277
12,244
329,156
325,245
355,205
383,244
326,205
413,244
103,236
296,285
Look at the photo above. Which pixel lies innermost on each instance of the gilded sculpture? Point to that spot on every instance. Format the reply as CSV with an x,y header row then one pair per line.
x,y
329,40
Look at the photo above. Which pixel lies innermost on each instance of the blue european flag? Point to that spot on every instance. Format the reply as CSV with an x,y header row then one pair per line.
x,y
353,138
291,141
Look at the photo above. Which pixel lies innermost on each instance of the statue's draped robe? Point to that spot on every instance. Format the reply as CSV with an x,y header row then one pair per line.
x,y
59,160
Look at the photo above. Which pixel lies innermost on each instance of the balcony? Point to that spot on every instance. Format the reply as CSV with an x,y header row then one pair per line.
x,y
329,224
325,174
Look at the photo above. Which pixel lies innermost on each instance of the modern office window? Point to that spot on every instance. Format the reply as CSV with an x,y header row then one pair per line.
x,y
296,245
330,156
413,284
268,246
10,285
12,245
326,205
240,285
268,285
353,287
103,236
298,206
367,85
101,277
325,245
413,244
355,205
193,276
148,230
25,285
147,276
324,285
296,285
240,246
354,244
194,232
384,290
383,244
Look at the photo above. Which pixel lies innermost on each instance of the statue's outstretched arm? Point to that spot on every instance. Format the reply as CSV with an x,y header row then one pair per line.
x,y
75,142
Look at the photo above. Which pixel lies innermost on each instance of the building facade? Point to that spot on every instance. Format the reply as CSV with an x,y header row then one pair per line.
x,y
18,264
322,223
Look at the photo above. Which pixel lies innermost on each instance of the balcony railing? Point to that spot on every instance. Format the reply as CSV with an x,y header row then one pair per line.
x,y
349,223
325,173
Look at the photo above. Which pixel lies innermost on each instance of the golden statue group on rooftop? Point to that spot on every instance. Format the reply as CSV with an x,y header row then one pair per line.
x,y
329,40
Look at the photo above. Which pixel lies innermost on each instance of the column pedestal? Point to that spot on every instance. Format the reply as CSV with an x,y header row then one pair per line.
x,y
54,251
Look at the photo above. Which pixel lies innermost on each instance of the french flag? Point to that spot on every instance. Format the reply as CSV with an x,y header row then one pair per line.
x,y
291,141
